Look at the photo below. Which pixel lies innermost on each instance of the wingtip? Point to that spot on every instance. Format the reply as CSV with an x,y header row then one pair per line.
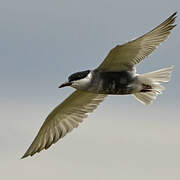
x,y
24,156
174,16
169,22
27,153
174,13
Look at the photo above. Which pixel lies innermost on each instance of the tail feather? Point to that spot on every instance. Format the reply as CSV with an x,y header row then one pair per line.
x,y
161,75
153,80
146,98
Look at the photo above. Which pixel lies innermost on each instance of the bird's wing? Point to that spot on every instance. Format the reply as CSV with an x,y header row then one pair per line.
x,y
63,119
125,56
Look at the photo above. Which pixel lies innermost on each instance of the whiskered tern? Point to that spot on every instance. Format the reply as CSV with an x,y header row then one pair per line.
x,y
116,75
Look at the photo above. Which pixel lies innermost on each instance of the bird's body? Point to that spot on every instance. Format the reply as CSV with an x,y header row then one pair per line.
x,y
116,75
114,83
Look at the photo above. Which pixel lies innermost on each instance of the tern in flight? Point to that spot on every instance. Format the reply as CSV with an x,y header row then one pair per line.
x,y
116,75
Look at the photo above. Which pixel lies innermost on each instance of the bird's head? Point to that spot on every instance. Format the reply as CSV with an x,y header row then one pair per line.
x,y
79,80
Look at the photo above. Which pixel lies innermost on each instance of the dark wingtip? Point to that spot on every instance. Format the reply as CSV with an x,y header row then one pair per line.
x,y
174,15
24,156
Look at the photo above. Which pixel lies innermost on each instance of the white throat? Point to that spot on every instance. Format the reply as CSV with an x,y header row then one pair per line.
x,y
84,83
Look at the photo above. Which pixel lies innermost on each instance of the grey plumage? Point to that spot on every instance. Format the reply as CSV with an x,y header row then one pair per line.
x,y
115,75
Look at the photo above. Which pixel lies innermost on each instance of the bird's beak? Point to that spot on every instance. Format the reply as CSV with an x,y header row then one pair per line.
x,y
65,84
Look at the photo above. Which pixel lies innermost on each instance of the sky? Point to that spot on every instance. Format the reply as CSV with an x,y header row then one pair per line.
x,y
41,43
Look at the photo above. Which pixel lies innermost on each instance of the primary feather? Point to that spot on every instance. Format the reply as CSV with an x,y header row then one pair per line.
x,y
63,119
125,56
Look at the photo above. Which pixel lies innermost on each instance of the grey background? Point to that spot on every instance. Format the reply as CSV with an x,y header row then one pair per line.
x,y
41,43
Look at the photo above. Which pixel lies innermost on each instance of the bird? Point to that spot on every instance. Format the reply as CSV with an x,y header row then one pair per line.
x,y
116,75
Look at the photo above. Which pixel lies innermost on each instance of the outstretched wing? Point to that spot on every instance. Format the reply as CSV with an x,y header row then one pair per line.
x,y
125,56
63,119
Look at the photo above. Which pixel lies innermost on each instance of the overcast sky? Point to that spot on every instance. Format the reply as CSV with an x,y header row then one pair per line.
x,y
41,43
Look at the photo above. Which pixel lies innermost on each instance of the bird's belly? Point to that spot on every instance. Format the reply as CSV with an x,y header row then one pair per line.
x,y
117,88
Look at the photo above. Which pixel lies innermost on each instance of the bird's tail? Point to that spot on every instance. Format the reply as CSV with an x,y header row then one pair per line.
x,y
151,84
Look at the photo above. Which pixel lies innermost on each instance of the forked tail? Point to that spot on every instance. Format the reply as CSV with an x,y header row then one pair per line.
x,y
151,84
